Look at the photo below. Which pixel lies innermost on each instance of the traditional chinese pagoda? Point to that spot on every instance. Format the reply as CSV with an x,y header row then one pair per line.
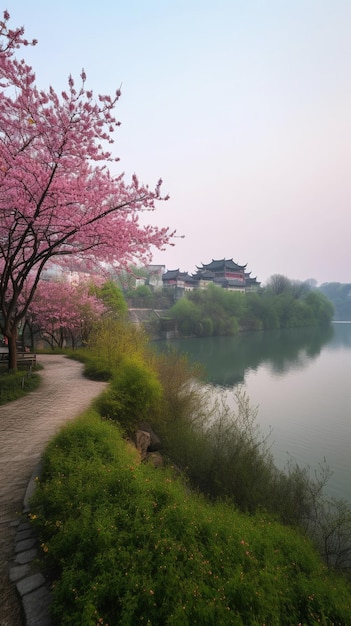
x,y
179,280
224,273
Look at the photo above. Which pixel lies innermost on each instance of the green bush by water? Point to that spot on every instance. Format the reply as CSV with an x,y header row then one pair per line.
x,y
125,544
217,311
133,395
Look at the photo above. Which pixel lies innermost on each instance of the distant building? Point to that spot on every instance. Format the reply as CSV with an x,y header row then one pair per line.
x,y
224,273
179,282
251,284
155,273
73,274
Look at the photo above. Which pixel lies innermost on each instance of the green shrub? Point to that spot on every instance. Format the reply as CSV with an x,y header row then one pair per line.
x,y
97,369
127,544
143,291
135,392
112,339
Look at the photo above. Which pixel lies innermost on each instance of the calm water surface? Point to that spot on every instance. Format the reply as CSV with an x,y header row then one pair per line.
x,y
300,379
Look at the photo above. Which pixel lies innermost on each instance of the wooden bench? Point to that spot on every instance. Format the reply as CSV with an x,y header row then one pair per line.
x,y
23,358
26,358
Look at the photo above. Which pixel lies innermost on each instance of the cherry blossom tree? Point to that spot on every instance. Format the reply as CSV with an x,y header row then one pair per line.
x,y
63,313
58,197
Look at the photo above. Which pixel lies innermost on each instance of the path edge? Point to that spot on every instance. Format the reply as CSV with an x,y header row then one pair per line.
x,y
33,589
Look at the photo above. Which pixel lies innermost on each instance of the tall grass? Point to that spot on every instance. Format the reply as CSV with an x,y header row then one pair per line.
x,y
14,385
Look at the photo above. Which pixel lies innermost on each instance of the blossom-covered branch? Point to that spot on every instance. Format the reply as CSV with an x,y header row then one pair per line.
x,y
58,198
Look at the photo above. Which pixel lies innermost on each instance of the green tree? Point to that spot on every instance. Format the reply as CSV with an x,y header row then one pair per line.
x,y
221,306
187,315
113,299
143,291
320,306
261,307
278,284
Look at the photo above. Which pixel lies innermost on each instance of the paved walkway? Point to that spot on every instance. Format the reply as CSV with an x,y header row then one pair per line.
x,y
26,426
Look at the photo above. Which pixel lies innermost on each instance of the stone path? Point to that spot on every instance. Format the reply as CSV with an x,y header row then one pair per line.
x,y
26,426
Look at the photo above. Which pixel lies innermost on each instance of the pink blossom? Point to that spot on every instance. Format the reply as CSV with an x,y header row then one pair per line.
x,y
57,196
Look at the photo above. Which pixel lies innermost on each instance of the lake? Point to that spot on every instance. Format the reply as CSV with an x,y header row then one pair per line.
x,y
300,379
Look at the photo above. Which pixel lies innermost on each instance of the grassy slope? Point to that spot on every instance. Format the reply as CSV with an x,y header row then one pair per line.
x,y
128,544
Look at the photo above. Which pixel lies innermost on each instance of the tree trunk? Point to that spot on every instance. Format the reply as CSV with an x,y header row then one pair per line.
x,y
28,332
12,350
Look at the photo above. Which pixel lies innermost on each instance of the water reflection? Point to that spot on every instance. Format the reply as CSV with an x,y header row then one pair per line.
x,y
228,359
341,336
300,380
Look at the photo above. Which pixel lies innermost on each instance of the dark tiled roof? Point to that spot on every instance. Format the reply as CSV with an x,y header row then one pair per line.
x,y
204,275
218,265
170,275
252,281
177,275
230,282
190,279
209,272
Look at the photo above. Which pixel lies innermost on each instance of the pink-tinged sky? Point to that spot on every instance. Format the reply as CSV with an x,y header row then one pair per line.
x,y
243,107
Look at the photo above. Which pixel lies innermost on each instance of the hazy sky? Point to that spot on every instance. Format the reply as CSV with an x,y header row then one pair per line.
x,y
242,107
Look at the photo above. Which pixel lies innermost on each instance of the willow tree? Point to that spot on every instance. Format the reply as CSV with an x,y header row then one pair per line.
x,y
58,197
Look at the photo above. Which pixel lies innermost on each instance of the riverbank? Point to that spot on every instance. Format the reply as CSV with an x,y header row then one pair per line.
x,y
299,379
129,543
200,453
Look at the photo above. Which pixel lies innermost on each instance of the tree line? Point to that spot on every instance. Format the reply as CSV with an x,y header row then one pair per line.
x,y
282,303
64,315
